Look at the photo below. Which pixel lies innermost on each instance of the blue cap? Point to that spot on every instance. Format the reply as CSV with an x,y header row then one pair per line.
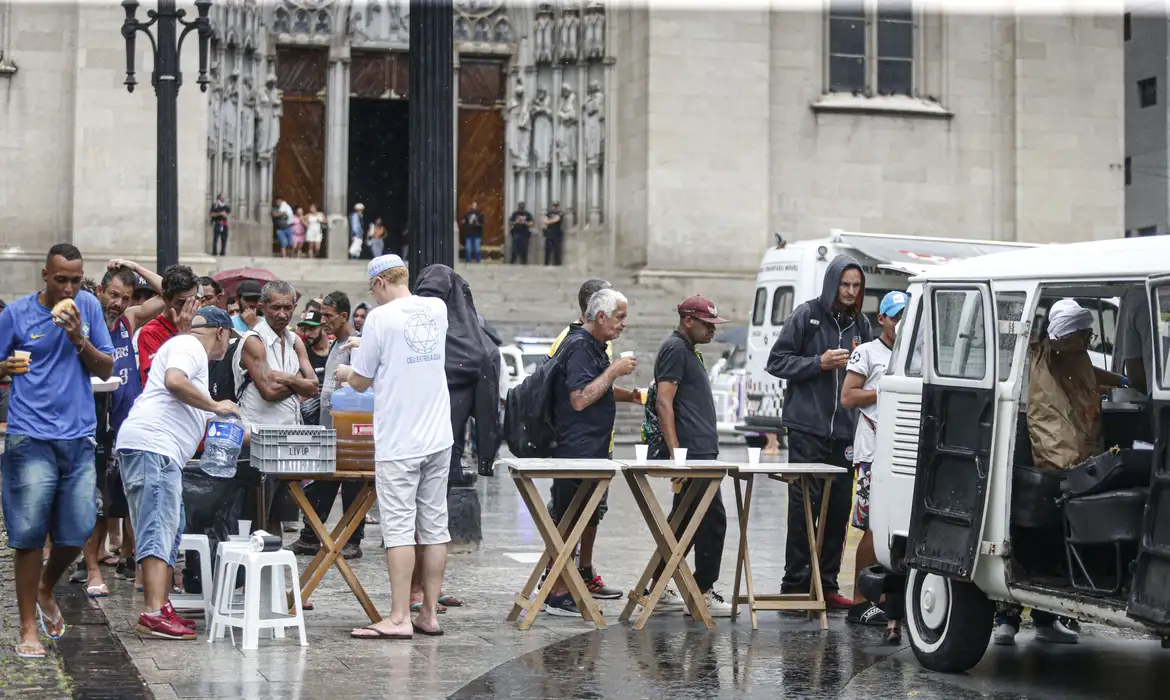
x,y
893,303
212,317
382,263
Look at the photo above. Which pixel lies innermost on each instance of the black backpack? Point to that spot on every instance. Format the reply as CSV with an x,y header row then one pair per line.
x,y
529,425
221,379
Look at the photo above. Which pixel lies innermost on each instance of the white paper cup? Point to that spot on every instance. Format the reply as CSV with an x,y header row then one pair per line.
x,y
680,456
628,353
22,354
245,528
754,455
641,452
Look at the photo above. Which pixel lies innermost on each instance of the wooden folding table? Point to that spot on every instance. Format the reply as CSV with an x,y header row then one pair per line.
x,y
671,551
332,542
560,541
805,473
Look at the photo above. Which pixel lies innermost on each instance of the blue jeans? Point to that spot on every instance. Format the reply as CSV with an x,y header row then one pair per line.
x,y
49,488
154,490
284,235
473,245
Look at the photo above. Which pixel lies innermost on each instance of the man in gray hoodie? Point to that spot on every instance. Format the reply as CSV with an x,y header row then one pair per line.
x,y
811,354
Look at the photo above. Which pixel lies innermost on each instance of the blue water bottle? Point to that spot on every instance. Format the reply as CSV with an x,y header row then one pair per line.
x,y
225,437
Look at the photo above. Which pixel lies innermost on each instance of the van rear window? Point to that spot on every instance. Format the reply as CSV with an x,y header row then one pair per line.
x,y
760,306
782,305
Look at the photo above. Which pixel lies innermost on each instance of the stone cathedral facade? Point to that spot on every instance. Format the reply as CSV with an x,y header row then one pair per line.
x,y
531,82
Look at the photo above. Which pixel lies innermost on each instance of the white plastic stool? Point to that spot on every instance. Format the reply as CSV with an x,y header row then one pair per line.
x,y
221,565
197,601
265,604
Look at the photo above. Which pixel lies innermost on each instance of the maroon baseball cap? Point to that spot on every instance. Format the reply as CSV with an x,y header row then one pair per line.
x,y
701,308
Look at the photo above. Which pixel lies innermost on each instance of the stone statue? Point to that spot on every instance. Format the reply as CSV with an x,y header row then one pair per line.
x,y
594,31
542,34
594,110
462,29
248,120
230,116
519,130
542,131
271,109
216,104
567,128
567,48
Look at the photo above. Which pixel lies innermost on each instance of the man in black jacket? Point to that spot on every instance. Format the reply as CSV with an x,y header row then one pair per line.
x,y
811,354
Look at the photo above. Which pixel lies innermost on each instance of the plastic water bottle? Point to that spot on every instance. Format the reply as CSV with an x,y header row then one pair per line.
x,y
225,437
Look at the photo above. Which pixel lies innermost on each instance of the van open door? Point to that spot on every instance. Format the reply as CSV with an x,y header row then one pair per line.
x,y
1149,599
958,429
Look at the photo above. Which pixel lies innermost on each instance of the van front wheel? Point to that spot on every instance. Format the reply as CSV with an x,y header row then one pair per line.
x,y
949,622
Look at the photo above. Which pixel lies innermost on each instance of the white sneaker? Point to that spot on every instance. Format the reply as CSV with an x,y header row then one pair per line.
x,y
716,605
1056,633
1004,635
670,602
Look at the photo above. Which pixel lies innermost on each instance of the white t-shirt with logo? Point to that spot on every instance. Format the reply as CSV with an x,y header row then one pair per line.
x,y
160,423
404,348
869,360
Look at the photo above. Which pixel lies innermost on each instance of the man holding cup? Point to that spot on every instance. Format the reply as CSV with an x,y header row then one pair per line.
x,y
683,426
54,341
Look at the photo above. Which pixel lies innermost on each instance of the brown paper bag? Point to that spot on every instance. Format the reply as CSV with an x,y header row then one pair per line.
x,y
1064,405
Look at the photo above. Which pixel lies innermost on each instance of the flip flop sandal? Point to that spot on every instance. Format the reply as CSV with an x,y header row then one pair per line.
x,y
420,630
97,591
378,634
893,636
416,607
32,651
450,601
867,614
43,618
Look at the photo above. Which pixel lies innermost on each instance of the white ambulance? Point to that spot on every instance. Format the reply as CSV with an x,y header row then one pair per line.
x,y
792,273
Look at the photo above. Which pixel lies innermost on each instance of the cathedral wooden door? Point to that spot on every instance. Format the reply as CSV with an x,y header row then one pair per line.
x,y
299,168
480,178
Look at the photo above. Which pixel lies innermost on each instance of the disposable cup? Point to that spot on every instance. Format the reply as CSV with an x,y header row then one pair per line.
x,y
245,527
640,453
628,353
22,355
754,455
680,456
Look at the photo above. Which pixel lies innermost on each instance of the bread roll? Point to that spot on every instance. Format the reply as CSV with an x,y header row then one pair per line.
x,y
64,305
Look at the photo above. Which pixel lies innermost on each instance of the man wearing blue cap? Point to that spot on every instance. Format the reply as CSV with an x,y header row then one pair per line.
x,y
866,366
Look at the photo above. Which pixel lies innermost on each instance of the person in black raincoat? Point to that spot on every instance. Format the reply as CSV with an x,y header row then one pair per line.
x,y
473,369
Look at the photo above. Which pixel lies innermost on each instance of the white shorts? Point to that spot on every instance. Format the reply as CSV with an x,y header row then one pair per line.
x,y
412,499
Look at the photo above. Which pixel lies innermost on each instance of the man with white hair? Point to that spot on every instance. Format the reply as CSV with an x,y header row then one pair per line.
x,y
584,404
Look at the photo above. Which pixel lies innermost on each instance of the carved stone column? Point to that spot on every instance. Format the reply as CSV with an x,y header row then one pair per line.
x,y
337,151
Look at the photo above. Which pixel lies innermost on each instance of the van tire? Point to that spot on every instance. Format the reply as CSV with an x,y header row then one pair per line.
x,y
951,635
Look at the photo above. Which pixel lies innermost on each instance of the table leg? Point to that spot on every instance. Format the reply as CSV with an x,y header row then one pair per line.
x,y
567,519
563,549
743,504
636,594
674,551
330,553
814,545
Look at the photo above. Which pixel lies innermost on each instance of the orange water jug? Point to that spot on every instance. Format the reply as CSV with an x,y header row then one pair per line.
x,y
353,419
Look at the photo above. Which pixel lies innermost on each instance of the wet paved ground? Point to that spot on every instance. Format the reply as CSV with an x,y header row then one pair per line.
x,y
483,657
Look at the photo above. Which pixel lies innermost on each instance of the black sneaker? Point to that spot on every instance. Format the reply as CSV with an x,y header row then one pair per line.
x,y
351,550
126,570
303,548
866,613
561,606
80,574
597,587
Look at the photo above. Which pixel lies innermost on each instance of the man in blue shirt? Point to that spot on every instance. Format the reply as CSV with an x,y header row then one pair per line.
x,y
48,478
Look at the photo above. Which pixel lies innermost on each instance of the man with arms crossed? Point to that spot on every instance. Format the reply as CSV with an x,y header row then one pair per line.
x,y
402,356
54,340
161,433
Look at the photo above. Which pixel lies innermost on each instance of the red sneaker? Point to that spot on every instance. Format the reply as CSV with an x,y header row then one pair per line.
x,y
169,611
836,601
163,627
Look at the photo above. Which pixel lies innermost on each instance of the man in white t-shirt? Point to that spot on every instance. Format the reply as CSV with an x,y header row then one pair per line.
x,y
161,433
402,356
866,366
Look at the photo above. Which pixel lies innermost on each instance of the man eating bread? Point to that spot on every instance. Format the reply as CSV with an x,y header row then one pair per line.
x,y
54,341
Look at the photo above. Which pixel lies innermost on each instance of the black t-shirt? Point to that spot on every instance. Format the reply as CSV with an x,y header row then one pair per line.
x,y
218,223
318,363
694,408
582,434
474,223
558,228
521,229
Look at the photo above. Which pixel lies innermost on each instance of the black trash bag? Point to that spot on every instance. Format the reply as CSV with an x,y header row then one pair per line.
x,y
214,508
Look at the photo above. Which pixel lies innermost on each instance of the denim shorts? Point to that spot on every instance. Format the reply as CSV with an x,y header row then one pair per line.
x,y
285,236
49,488
154,490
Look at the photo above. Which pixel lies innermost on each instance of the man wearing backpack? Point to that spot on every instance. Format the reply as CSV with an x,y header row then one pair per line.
x,y
584,407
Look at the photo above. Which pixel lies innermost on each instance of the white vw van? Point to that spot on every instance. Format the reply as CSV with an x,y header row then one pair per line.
x,y
956,505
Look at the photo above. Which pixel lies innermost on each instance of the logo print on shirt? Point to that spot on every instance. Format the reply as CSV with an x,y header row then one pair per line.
x,y
35,336
422,337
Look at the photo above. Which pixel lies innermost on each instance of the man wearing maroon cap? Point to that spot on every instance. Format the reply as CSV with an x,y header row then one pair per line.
x,y
680,413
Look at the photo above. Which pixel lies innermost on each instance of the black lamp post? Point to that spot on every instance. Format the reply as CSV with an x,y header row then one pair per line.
x,y
166,80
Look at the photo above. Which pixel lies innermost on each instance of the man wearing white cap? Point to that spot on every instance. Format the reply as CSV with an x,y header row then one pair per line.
x,y
357,229
402,356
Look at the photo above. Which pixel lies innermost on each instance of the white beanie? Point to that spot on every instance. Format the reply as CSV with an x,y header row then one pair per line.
x,y
1067,317
382,263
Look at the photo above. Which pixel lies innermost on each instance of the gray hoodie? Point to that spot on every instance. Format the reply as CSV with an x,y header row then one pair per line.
x,y
812,397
